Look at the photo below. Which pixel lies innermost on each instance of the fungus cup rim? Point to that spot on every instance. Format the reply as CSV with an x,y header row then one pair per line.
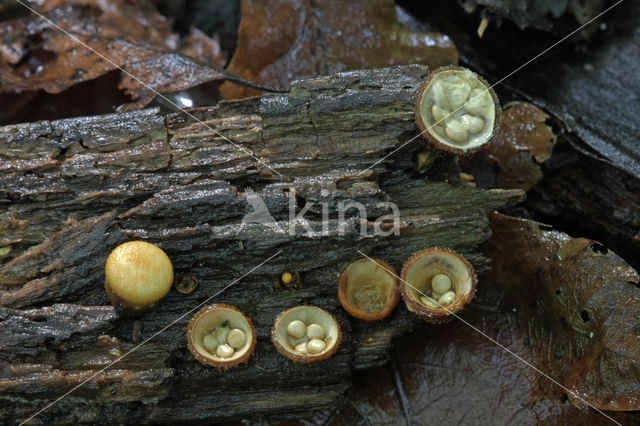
x,y
208,359
392,298
297,312
432,140
437,315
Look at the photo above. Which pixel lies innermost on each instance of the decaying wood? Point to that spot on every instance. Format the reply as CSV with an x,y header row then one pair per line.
x,y
71,190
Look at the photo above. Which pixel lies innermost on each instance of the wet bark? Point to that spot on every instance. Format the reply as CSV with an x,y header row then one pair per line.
x,y
71,190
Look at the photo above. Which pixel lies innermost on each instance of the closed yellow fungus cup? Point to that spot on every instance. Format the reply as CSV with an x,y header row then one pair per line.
x,y
137,275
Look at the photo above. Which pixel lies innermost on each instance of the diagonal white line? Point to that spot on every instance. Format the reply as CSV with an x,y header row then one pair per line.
x,y
280,251
148,339
179,108
490,87
518,357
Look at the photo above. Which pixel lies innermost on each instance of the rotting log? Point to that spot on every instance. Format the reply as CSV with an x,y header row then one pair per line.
x,y
71,190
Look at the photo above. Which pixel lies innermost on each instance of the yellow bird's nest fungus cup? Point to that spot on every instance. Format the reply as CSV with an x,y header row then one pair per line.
x,y
221,336
368,289
437,282
306,334
137,275
457,111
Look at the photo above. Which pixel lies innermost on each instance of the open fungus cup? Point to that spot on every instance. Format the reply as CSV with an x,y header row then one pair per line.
x,y
306,334
437,282
221,336
457,111
368,289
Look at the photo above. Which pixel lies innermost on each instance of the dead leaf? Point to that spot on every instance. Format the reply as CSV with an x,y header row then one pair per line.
x,y
131,35
512,159
523,129
200,46
582,309
452,375
280,41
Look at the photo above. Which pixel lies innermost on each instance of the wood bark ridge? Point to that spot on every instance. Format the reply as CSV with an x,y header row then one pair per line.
x,y
71,190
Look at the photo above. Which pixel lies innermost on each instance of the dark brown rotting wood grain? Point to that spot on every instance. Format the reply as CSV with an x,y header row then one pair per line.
x,y
173,182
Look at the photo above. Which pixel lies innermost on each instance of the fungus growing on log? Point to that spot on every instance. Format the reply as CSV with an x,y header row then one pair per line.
x,y
368,289
221,336
137,275
306,334
456,110
436,283
192,220
186,284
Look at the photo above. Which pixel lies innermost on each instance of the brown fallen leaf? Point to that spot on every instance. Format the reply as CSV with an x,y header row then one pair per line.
x,y
524,130
35,55
512,160
523,141
200,46
283,40
581,306
452,375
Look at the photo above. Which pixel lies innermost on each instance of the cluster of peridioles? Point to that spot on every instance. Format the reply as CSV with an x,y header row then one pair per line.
x,y
458,112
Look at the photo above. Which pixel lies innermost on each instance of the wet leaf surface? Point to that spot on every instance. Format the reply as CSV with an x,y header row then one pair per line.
x,y
523,130
583,313
454,376
280,41
522,142
35,55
